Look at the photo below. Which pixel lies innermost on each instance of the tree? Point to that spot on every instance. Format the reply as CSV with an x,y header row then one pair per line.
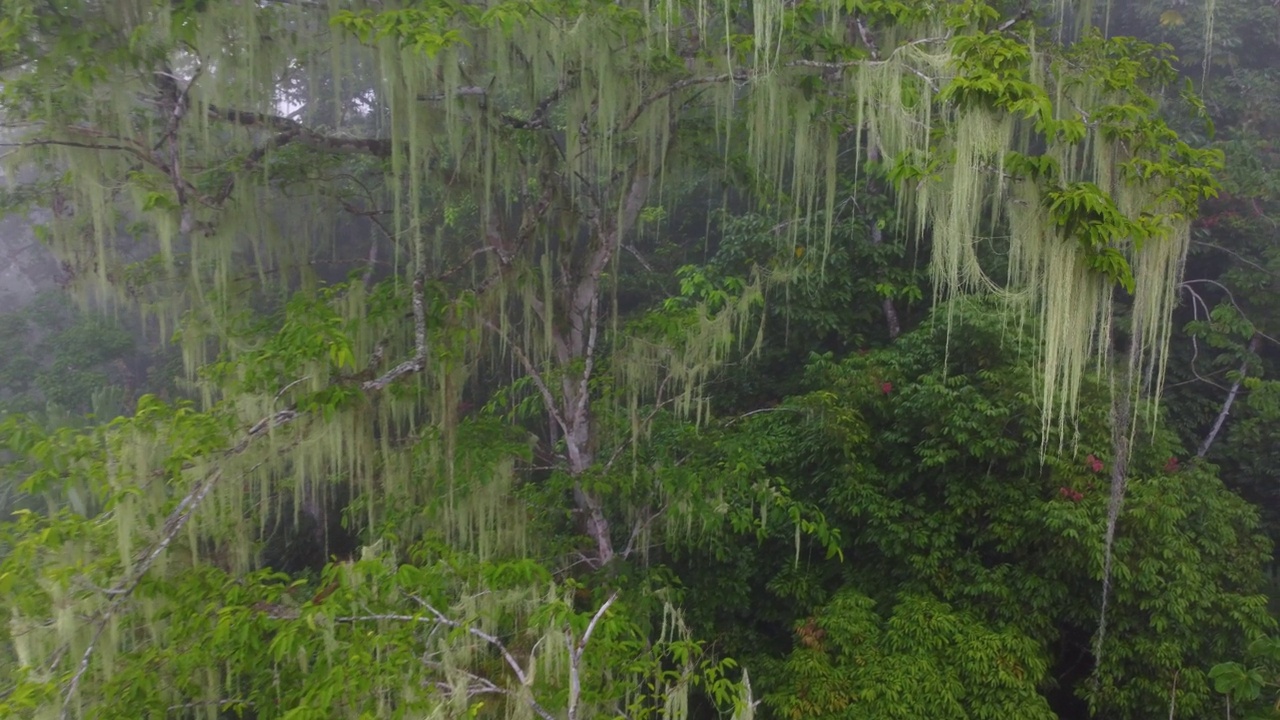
x,y
497,156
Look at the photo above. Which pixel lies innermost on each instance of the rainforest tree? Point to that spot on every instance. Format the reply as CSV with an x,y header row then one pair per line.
x,y
389,240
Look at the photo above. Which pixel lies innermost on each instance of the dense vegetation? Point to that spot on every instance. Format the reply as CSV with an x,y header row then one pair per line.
x,y
589,358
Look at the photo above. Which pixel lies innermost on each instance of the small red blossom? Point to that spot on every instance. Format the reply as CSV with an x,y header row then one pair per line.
x,y
1094,464
886,387
1171,465
1069,494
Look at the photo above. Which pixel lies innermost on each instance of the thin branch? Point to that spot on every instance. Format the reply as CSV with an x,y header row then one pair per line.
x,y
1023,15
72,143
373,217
1234,304
286,388
539,117
534,375
758,411
419,361
83,667
1197,303
591,626
658,404
575,657
384,617
677,86
206,703
1238,256
173,525
745,76
631,249
1254,344
477,632
638,528
485,686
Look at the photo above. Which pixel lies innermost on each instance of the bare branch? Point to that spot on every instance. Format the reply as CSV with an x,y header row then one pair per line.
x,y
82,668
1231,297
477,632
1238,256
1255,344
1024,14
419,361
677,86
591,626
576,649
534,375
745,75
639,528
485,686
636,253
173,525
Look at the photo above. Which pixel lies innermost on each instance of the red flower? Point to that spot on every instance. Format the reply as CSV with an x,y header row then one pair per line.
x,y
1171,465
1069,494
1093,463
886,387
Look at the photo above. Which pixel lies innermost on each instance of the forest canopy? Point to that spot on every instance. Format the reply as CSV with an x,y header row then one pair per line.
x,y
635,358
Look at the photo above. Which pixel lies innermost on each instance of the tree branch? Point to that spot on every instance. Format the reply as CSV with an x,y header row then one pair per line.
x,y
740,75
419,361
1255,343
293,130
477,632
745,75
576,649
534,375
173,524
865,33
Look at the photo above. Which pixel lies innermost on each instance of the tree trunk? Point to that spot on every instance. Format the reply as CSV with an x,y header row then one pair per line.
x,y
890,311
576,347
877,237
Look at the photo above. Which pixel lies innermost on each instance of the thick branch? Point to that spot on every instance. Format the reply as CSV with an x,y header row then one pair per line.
x,y
295,130
538,119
